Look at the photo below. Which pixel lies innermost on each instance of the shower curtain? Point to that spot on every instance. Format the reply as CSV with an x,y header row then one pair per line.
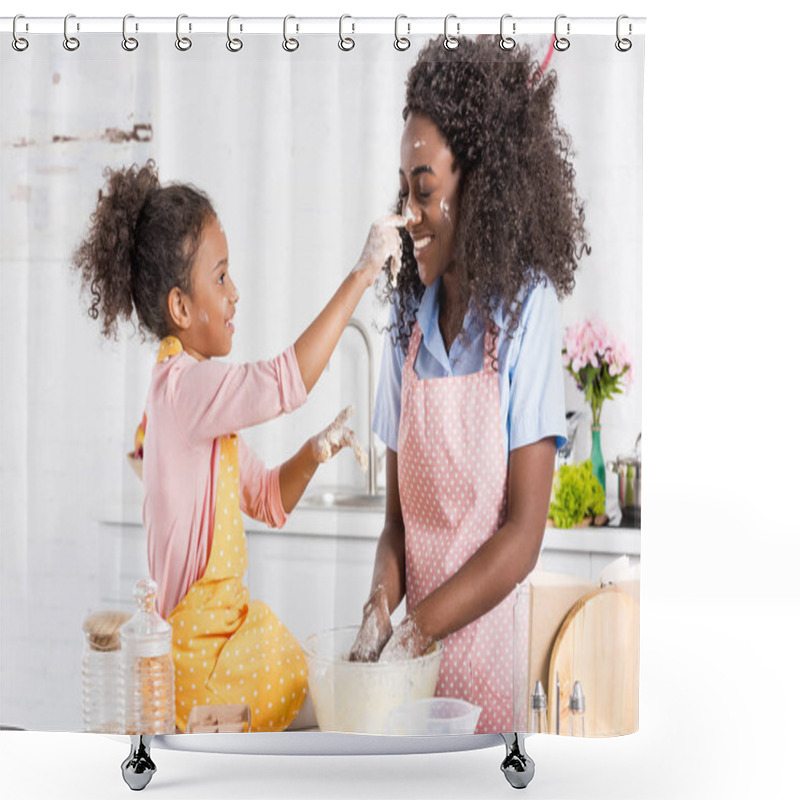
x,y
299,151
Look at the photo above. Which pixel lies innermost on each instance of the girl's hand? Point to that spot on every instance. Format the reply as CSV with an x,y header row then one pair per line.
x,y
407,642
383,243
329,442
376,628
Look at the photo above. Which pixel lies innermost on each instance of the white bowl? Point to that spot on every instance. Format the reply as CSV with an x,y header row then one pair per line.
x,y
357,697
433,717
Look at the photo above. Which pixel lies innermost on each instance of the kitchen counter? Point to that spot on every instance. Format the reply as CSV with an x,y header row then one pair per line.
x,y
359,524
315,572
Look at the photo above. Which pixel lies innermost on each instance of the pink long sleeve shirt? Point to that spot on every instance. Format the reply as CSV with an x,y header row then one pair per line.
x,y
189,405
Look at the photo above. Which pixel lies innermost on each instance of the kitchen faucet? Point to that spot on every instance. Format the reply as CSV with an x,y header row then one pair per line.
x,y
372,466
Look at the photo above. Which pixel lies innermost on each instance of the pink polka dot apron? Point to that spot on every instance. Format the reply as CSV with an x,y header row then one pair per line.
x,y
452,475
227,648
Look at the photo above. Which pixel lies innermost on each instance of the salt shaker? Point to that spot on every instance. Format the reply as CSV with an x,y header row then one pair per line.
x,y
539,709
100,671
147,673
577,706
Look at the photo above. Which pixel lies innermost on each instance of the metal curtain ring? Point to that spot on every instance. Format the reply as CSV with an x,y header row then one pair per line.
x,y
345,42
70,42
623,45
128,42
19,43
401,43
450,42
183,43
290,45
233,44
561,43
507,42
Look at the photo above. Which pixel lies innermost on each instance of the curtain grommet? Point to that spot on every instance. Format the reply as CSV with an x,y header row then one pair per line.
x,y
507,42
289,44
451,42
233,44
561,43
129,43
70,43
183,43
401,42
346,43
19,43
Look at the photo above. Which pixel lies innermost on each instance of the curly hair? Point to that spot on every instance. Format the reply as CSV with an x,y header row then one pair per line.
x,y
141,243
520,220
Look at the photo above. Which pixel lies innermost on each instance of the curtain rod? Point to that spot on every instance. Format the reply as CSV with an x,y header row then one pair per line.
x,y
349,25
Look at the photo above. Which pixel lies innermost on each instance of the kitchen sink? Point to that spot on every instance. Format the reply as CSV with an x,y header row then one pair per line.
x,y
344,500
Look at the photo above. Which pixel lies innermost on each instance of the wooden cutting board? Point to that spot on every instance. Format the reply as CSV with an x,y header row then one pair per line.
x,y
598,644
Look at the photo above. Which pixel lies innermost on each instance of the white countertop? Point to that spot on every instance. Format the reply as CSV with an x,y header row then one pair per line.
x,y
367,524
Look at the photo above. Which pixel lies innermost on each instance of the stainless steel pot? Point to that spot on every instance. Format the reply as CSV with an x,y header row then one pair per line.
x,y
629,482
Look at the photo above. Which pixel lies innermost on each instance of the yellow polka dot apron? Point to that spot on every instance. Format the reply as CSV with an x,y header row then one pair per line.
x,y
227,648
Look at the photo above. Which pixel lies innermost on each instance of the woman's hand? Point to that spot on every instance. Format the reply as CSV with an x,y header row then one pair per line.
x,y
407,642
330,441
376,628
383,243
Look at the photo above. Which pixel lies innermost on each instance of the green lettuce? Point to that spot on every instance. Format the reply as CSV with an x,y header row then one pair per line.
x,y
576,494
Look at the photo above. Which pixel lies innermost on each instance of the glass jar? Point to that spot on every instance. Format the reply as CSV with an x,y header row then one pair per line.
x,y
100,671
147,672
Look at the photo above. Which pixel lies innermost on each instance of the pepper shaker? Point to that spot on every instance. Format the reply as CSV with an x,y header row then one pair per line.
x,y
539,709
577,706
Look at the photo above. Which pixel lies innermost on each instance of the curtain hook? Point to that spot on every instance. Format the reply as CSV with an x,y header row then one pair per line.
x,y
623,45
561,43
345,42
70,42
451,42
19,43
233,44
183,43
401,43
290,45
507,42
128,42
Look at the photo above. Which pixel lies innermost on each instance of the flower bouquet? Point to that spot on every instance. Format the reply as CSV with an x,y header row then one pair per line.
x,y
601,367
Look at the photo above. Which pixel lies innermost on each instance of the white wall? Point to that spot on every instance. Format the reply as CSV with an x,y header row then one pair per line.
x,y
299,154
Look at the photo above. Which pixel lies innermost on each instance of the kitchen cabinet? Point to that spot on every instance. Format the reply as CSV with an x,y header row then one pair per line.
x,y
315,573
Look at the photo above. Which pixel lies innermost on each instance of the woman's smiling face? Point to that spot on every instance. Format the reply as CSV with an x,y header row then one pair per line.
x,y
429,184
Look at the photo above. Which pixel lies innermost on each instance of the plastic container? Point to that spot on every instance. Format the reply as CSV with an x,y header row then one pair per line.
x,y
100,671
357,697
435,716
147,672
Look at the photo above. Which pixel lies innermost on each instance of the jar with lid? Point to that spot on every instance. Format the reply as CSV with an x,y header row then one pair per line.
x,y
147,672
100,671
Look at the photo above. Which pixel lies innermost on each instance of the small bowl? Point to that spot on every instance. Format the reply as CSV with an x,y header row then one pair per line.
x,y
357,697
436,716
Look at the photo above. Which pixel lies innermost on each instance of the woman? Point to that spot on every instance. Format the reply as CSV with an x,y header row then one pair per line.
x,y
471,397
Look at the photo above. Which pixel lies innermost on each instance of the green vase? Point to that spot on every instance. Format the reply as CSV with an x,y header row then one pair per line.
x,y
598,464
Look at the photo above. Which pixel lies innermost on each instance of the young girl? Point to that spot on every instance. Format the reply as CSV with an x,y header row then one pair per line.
x,y
161,251
471,394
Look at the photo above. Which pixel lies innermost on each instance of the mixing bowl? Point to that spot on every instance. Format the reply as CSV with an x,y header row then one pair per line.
x,y
433,717
357,697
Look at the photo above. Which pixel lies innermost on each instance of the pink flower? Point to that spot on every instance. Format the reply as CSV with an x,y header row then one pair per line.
x,y
588,343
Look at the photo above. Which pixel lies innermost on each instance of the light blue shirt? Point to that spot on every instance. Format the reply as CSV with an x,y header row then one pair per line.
x,y
529,367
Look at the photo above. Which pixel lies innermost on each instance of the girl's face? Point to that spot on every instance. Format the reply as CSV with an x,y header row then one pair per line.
x,y
429,184
213,300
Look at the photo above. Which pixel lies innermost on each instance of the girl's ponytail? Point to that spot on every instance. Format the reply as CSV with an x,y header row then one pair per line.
x,y
106,256
142,243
